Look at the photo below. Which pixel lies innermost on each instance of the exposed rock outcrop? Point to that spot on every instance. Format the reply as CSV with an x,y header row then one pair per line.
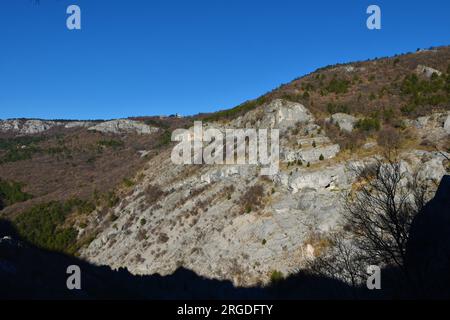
x,y
31,126
279,114
435,128
124,126
427,71
447,124
79,124
345,121
312,154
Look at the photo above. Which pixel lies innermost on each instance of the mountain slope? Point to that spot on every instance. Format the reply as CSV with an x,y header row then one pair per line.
x,y
228,222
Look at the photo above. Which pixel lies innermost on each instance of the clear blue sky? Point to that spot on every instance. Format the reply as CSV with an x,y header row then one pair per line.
x,y
148,57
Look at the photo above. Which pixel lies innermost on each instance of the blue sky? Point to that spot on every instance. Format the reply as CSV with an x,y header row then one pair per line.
x,y
148,57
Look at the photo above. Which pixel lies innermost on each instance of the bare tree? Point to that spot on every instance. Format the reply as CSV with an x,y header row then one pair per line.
x,y
341,260
377,221
380,213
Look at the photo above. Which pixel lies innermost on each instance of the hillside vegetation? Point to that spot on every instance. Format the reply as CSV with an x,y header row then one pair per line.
x,y
378,87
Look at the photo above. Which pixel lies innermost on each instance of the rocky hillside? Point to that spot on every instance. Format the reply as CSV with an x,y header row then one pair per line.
x,y
115,198
227,222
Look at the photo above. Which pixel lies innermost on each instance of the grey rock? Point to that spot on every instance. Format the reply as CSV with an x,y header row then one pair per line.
x,y
282,114
79,124
124,126
369,145
447,124
427,71
26,126
312,154
345,121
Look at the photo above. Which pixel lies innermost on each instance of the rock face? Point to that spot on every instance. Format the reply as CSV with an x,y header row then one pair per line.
x,y
286,114
345,121
36,126
435,128
124,126
447,124
312,155
332,178
19,126
196,216
200,223
280,114
79,124
427,71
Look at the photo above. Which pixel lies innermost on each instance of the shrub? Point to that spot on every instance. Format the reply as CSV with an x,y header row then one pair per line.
x,y
236,111
338,86
408,109
11,192
86,207
253,198
276,276
42,226
321,158
12,143
128,183
165,138
264,242
389,138
111,143
368,124
153,193
19,148
111,199
422,92
80,206
389,115
163,238
157,123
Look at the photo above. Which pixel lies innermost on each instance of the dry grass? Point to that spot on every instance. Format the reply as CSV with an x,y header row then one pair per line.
x,y
81,168
253,198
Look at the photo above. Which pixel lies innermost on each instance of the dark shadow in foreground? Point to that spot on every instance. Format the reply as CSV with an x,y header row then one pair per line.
x,y
27,272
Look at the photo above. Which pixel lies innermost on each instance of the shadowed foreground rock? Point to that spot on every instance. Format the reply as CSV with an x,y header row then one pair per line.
x,y
27,272
429,246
